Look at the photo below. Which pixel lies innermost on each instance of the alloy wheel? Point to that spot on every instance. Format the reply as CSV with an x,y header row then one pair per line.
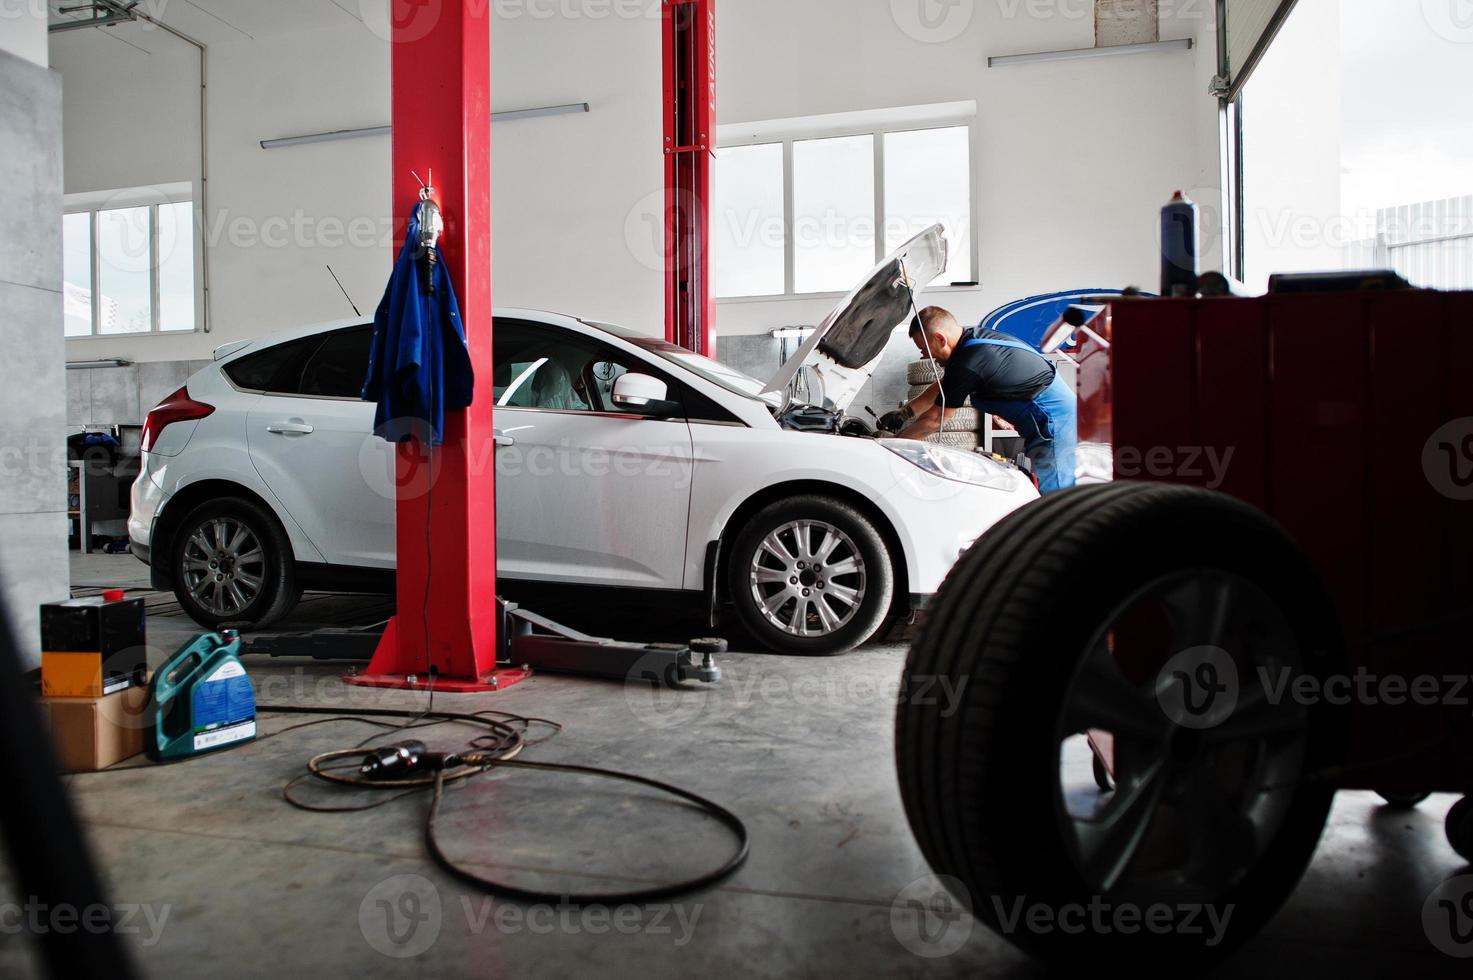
x,y
808,578
1195,801
224,566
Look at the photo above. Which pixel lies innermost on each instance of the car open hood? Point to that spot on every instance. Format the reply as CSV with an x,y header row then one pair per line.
x,y
848,344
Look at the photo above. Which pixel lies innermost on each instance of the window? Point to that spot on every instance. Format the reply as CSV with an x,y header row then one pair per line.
x,y
340,366
277,369
748,218
804,215
129,269
1357,145
833,213
76,237
542,367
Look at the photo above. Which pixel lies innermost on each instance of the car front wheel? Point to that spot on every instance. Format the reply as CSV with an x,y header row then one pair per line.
x,y
232,564
811,575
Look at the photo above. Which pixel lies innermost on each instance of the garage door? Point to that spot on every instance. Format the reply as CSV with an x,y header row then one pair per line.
x,y
1250,28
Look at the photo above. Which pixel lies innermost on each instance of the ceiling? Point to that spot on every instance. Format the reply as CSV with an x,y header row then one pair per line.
x,y
218,21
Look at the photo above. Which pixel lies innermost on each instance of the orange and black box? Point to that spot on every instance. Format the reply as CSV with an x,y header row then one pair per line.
x,y
93,646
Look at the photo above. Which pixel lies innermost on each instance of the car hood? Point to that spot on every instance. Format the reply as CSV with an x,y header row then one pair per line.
x,y
846,347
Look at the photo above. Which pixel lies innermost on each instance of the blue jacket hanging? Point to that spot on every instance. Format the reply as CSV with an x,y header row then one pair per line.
x,y
418,366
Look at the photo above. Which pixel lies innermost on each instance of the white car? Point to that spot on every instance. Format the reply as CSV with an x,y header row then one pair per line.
x,y
621,461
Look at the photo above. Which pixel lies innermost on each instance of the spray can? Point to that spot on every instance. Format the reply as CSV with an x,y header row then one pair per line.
x,y
1179,247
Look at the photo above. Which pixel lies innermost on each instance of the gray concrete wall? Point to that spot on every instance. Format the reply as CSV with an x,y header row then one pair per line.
x,y
109,396
33,521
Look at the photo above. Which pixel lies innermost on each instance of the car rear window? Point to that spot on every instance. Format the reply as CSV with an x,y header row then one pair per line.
x,y
340,365
276,369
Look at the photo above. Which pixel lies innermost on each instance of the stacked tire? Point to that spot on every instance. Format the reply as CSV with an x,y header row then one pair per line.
x,y
965,428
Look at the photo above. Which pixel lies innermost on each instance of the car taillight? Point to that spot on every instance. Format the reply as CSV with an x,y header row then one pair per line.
x,y
178,407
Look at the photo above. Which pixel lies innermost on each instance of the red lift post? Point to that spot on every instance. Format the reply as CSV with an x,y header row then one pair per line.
x,y
447,617
689,49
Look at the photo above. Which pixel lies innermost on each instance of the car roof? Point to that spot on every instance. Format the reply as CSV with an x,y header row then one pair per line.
x,y
231,350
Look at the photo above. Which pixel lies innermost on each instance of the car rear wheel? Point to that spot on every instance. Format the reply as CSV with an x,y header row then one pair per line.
x,y
1143,618
232,564
811,575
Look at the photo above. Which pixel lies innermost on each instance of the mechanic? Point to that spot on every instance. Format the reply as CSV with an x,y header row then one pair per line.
x,y
1002,376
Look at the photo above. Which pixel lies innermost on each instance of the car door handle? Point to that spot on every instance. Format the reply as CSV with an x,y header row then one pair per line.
x,y
501,439
292,428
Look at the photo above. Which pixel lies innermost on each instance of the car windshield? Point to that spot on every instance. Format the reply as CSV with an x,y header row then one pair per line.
x,y
713,371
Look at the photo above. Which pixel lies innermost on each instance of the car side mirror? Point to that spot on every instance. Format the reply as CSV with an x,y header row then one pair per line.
x,y
643,395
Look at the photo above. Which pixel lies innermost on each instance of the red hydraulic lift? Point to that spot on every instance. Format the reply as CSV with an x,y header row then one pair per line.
x,y
447,616
689,46
450,628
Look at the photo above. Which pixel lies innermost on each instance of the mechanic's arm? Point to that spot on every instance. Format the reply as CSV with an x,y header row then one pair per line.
x,y
927,423
922,403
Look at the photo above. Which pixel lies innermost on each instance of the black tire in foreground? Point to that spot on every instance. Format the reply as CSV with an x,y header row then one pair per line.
x,y
810,575
233,564
1099,610
1459,827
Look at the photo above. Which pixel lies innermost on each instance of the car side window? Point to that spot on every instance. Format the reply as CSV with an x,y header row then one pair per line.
x,y
277,369
554,370
338,368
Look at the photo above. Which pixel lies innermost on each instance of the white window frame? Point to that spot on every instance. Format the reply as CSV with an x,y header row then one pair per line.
x,y
95,202
782,131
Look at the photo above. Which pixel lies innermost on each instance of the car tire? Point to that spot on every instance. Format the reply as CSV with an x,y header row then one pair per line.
x,y
1408,800
809,619
1459,828
964,419
923,372
980,773
213,584
955,440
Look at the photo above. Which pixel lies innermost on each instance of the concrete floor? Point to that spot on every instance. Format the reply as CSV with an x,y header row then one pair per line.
x,y
239,884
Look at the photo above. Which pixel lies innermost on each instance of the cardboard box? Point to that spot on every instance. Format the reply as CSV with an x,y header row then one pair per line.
x,y
94,733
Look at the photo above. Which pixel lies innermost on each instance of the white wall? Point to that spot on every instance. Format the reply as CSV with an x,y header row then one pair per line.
x,y
23,31
565,185
1073,160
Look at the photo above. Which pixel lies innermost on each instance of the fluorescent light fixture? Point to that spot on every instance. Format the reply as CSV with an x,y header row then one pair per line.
x,y
1179,44
352,134
101,362
788,333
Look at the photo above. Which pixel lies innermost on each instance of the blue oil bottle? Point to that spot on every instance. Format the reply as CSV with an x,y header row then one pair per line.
x,y
201,700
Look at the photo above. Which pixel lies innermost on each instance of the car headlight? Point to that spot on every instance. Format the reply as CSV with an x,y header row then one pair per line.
x,y
953,464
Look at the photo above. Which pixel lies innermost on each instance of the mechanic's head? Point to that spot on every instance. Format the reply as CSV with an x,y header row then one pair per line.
x,y
935,333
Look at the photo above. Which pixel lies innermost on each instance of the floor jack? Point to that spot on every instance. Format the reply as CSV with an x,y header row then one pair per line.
x,y
531,641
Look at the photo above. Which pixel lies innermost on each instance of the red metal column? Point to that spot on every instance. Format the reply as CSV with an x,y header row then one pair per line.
x,y
446,622
689,48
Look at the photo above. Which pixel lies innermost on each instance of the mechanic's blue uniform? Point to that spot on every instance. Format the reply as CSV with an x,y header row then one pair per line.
x,y
1005,377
